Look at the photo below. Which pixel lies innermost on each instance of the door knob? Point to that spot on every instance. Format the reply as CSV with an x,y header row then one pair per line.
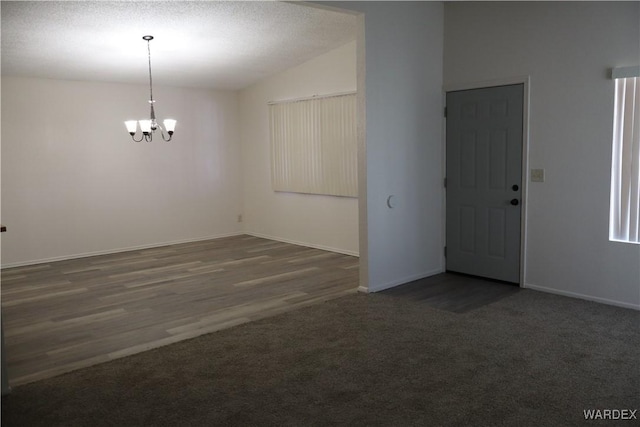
x,y
515,187
514,202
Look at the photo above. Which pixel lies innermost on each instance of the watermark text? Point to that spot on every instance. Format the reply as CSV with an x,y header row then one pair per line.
x,y
610,414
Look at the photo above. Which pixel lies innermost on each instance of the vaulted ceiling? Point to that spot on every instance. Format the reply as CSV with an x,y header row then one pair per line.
x,y
210,44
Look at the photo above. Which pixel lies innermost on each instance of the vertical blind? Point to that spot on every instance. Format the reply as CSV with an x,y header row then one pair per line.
x,y
625,168
314,145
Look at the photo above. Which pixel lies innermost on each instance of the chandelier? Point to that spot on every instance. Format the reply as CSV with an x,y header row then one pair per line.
x,y
148,127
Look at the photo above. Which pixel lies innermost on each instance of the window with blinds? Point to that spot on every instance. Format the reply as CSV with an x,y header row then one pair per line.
x,y
314,145
625,167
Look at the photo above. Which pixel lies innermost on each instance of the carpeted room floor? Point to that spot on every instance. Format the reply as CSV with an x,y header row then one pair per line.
x,y
529,359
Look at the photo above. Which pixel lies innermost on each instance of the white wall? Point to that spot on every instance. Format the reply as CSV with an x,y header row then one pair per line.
x,y
402,71
312,220
73,183
567,49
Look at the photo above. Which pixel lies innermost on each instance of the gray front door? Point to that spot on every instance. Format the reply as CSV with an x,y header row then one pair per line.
x,y
484,181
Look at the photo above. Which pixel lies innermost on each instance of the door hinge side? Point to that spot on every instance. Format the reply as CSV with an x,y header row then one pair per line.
x,y
445,182
445,251
445,112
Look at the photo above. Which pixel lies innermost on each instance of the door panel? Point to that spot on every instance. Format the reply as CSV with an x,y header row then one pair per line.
x,y
484,162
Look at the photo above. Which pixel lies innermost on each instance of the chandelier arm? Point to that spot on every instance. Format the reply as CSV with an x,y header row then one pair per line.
x,y
163,134
163,137
133,136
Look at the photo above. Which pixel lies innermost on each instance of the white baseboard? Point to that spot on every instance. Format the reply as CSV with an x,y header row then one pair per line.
x,y
582,296
382,287
308,245
118,250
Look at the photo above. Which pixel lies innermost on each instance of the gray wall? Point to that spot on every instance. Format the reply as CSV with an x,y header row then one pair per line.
x,y
69,190
567,49
402,66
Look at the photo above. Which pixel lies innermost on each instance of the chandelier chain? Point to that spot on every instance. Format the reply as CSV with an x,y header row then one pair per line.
x,y
150,78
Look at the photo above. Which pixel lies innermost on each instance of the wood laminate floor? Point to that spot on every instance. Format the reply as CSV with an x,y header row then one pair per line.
x,y
458,293
71,314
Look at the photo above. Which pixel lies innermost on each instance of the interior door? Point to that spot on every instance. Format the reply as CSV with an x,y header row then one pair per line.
x,y
484,181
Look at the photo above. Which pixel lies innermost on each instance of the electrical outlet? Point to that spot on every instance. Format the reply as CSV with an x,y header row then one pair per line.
x,y
537,175
239,218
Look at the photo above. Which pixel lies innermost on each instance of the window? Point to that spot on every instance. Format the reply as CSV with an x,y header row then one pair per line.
x,y
624,221
314,146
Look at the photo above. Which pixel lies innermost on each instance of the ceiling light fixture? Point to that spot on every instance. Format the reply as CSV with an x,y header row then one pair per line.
x,y
148,127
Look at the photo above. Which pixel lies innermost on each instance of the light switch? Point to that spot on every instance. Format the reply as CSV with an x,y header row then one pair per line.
x,y
537,175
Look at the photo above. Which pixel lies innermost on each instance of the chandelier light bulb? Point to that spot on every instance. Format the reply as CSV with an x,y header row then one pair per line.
x,y
169,125
132,126
145,126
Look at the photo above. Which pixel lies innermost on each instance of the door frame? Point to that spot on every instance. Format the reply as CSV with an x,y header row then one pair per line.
x,y
525,81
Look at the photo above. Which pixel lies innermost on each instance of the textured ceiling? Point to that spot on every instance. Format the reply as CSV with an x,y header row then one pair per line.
x,y
213,44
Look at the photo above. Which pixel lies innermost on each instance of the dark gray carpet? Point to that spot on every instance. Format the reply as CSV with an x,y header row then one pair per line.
x,y
530,359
